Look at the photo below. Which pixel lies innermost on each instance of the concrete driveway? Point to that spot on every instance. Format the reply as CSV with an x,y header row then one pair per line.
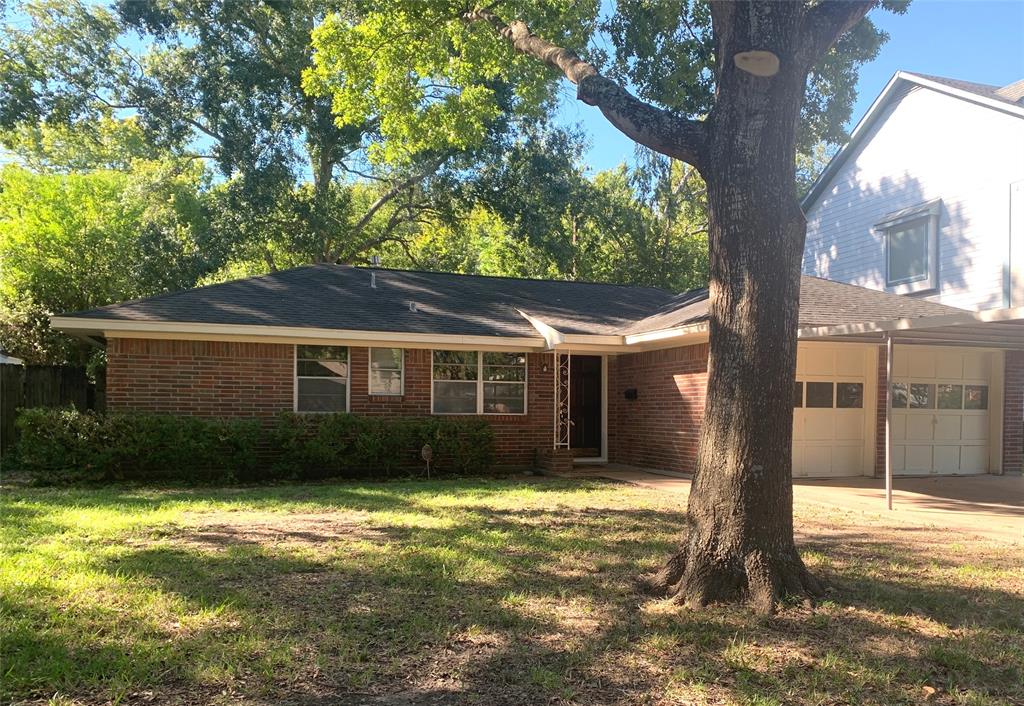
x,y
986,506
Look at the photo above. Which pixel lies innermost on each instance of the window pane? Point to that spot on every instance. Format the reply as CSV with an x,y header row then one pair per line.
x,y
454,372
386,358
849,395
503,373
922,396
492,358
951,396
321,353
819,394
321,395
385,382
504,398
455,397
322,368
899,395
456,357
976,397
798,394
908,252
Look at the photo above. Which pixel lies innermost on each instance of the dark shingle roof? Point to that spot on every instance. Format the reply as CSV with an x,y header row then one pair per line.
x,y
822,303
340,297
998,93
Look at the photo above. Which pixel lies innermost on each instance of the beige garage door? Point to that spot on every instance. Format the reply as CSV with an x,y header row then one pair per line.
x,y
831,404
940,416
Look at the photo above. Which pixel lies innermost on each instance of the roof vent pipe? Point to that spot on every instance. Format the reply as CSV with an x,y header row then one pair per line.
x,y
373,280
375,260
412,307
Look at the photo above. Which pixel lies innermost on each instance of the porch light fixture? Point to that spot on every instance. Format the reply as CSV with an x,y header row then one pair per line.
x,y
757,62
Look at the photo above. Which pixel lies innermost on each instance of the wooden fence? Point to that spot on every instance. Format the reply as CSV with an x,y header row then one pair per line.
x,y
42,386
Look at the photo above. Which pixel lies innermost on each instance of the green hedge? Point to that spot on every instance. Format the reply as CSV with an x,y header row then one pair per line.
x,y
68,446
314,446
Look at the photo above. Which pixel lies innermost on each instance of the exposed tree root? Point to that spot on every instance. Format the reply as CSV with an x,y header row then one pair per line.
x,y
755,577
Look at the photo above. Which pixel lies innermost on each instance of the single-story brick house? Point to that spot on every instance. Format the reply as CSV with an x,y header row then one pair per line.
x,y
569,371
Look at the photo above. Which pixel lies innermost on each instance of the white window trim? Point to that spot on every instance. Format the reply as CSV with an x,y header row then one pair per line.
x,y
480,388
401,369
929,281
295,381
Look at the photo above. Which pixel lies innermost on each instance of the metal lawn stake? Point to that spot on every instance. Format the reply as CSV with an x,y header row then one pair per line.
x,y
427,453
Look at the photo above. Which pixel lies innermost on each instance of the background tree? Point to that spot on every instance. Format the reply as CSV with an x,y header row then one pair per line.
x,y
722,87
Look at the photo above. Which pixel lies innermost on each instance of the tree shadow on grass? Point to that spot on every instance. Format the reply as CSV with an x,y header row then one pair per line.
x,y
520,605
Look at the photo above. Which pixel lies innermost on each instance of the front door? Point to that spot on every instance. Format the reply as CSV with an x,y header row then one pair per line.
x,y
585,404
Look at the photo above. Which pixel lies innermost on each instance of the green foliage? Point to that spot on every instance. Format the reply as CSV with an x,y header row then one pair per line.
x,y
58,446
312,446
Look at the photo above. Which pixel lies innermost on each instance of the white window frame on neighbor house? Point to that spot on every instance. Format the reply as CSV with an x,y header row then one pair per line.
x,y
296,377
480,382
401,372
927,215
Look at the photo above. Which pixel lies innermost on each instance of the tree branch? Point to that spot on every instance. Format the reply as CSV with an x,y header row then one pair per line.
x,y
827,21
642,122
386,197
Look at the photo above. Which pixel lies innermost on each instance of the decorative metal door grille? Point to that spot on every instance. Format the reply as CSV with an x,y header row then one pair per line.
x,y
563,380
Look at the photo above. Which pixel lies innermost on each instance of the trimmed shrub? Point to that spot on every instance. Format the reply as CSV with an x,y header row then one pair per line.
x,y
313,446
68,446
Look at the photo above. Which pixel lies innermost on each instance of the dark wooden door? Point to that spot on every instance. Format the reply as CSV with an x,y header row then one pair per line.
x,y
585,403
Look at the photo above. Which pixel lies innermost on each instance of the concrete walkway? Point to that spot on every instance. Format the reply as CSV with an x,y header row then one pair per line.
x,y
987,506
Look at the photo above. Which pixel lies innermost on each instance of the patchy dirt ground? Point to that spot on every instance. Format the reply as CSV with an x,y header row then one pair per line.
x,y
476,592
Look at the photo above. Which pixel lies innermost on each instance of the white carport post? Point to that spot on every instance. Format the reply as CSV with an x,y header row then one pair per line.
x,y
888,420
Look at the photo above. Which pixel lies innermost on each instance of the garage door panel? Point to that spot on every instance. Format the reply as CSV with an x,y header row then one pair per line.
x,y
974,459
920,427
817,460
899,426
949,364
918,459
946,459
850,362
975,427
947,428
820,425
847,460
849,424
819,361
899,459
976,366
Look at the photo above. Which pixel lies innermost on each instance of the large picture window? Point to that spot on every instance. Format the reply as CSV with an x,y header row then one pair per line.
x,y
386,368
321,378
471,382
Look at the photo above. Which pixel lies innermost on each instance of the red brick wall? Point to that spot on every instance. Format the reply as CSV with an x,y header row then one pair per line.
x,y
1013,412
227,379
660,428
199,378
880,400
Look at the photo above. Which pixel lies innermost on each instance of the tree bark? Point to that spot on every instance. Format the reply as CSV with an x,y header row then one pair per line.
x,y
739,542
739,536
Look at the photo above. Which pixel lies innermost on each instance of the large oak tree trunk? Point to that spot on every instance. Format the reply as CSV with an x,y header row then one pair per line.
x,y
739,541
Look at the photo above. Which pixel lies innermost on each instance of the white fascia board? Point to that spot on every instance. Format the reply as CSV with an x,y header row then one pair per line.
x,y
199,331
664,334
922,322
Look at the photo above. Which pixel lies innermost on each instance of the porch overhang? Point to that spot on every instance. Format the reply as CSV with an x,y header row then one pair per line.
x,y
992,328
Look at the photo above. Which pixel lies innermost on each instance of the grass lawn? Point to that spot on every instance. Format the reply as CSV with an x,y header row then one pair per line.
x,y
489,592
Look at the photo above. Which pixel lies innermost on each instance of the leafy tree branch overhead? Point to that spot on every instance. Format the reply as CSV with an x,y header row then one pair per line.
x,y
723,87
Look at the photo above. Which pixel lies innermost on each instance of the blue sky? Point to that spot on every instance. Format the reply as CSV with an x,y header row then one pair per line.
x,y
970,40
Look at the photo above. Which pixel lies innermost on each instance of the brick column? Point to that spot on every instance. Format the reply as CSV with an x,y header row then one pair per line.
x,y
1013,412
880,414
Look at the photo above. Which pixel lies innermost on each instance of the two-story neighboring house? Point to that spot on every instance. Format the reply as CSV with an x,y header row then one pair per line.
x,y
927,199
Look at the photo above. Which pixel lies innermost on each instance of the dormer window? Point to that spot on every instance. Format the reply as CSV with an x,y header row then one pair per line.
x,y
911,248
